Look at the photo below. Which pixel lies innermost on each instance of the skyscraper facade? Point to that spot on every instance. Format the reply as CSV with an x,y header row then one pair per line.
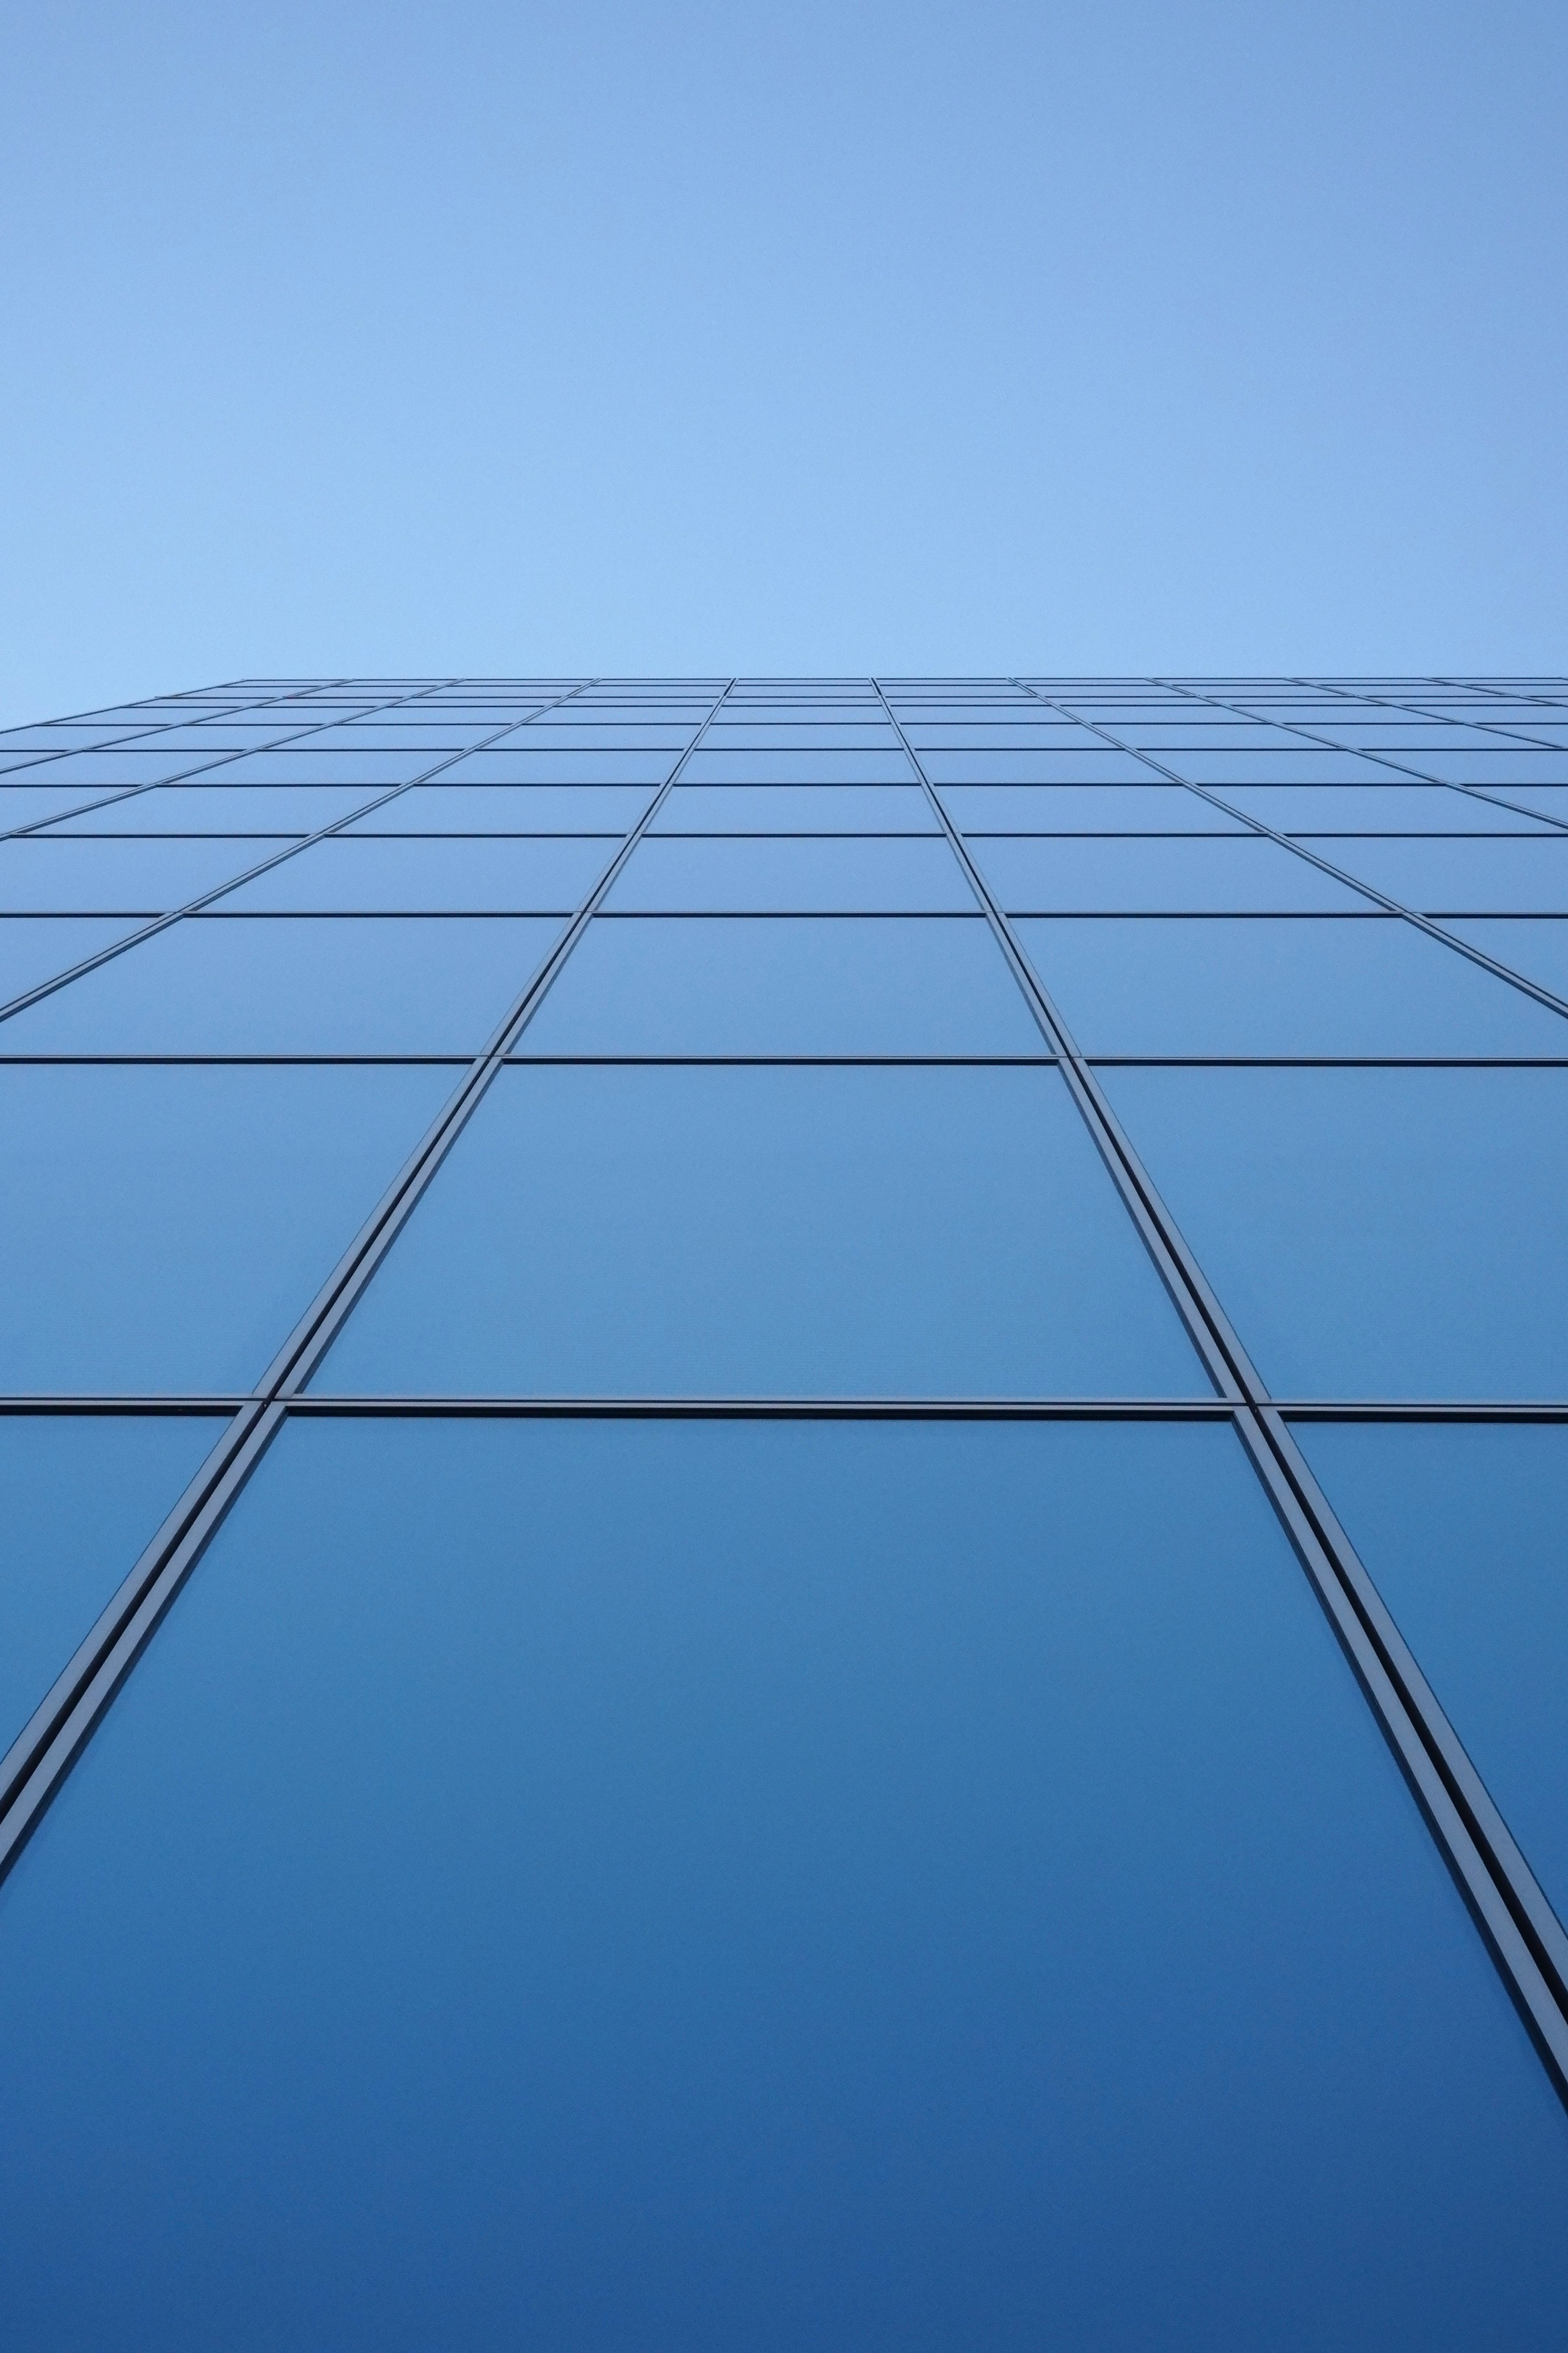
x,y
785,1470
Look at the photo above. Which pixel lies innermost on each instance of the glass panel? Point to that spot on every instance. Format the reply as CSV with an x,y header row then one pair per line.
x,y
1067,875
163,1229
1096,764
517,764
1302,765
785,985
24,804
372,771
916,876
105,771
711,765
441,807
783,1231
1538,949
1084,808
752,1885
1464,1530
1372,1233
224,808
1467,877
1376,808
1257,985
434,875
295,984
79,1497
796,808
33,949
116,877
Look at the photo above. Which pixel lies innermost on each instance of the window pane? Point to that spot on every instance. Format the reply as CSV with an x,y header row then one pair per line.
x,y
34,948
88,877
22,805
1463,1531
758,1886
1067,876
796,808
441,807
1376,808
916,876
295,984
1466,877
432,876
785,985
710,763
1372,1233
1257,985
783,1231
163,1229
224,808
79,1497
1538,949
1083,808
1094,763
518,764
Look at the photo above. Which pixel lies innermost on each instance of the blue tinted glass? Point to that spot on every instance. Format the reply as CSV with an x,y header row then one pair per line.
x,y
1538,949
1084,808
369,771
1300,766
1372,1233
107,770
719,1232
518,764
1376,808
295,984
111,877
711,763
1254,984
442,807
1464,877
33,949
794,875
222,809
785,985
79,1497
1092,764
1067,876
163,1229
724,1886
1465,1530
796,808
1501,768
24,804
431,876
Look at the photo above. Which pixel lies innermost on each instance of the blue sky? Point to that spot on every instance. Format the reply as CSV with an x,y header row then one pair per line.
x,y
473,338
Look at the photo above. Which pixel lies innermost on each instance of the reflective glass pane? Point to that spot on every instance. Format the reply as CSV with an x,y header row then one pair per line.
x,y
1464,1530
710,763
81,1494
1129,876
1376,808
1083,808
224,808
432,875
295,984
799,875
1303,764
1372,1232
1538,949
796,808
162,1229
34,948
442,807
1093,763
789,1231
1466,877
50,875
785,985
621,1887
519,764
1259,985
25,805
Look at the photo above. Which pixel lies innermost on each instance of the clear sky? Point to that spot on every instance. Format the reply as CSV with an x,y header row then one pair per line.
x,y
589,338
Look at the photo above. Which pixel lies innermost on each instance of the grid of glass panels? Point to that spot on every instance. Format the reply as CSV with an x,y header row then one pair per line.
x,y
785,1470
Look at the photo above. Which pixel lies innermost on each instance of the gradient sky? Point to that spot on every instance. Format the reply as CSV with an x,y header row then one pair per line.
x,y
591,338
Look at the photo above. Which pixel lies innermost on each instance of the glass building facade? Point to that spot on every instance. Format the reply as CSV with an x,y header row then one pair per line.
x,y
785,1472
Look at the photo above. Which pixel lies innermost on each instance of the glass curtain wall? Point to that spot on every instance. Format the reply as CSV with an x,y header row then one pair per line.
x,y
785,1470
